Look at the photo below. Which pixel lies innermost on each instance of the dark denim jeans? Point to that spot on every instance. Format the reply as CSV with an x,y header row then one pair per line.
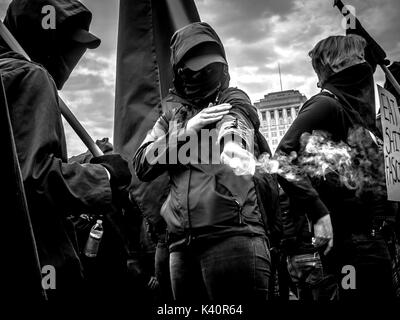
x,y
234,269
312,280
370,257
162,272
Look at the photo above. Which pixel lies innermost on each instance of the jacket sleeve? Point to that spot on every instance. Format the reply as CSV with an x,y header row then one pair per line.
x,y
153,156
236,125
237,128
39,137
316,114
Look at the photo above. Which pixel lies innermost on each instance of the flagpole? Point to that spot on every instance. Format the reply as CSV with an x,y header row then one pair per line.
x,y
280,75
66,112
339,4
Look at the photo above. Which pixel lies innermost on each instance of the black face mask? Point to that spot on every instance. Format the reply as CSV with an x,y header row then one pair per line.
x,y
60,65
58,69
201,86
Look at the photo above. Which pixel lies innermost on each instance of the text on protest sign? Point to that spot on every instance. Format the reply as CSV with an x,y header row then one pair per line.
x,y
390,118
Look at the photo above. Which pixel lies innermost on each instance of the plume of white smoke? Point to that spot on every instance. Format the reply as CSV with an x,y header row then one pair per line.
x,y
358,162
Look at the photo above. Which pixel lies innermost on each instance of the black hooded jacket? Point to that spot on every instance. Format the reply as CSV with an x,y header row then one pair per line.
x,y
348,104
205,200
27,20
55,189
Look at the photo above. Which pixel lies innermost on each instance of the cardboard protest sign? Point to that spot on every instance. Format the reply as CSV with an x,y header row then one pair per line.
x,y
390,117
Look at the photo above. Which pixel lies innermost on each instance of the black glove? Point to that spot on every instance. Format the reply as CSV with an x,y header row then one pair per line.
x,y
120,174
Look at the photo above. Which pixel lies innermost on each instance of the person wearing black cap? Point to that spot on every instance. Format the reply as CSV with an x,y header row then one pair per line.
x,y
217,236
55,188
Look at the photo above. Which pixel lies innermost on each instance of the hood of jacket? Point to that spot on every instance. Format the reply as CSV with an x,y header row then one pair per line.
x,y
187,38
26,20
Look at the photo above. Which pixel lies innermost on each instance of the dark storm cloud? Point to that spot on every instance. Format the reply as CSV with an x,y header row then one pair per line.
x,y
243,20
260,34
255,57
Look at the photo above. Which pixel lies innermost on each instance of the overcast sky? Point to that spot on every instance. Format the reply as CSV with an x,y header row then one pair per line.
x,y
257,34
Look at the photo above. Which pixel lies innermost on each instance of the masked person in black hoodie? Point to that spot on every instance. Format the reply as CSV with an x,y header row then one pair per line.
x,y
218,240
347,222
54,187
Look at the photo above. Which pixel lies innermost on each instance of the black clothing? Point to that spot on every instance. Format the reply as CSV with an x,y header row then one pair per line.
x,y
55,48
54,188
207,200
353,212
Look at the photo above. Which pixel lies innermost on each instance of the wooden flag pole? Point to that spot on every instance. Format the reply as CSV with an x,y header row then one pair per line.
x,y
65,111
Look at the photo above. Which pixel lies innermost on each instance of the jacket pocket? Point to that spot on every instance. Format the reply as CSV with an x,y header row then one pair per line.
x,y
214,208
223,191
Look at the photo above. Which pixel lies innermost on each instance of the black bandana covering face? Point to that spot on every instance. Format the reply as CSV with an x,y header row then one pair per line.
x,y
62,61
201,86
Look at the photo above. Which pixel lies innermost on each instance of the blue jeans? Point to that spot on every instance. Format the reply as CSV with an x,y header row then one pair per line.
x,y
234,269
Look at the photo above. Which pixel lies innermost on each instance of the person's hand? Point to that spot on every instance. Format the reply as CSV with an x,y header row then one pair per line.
x,y
134,267
153,283
117,167
207,116
240,160
120,176
105,145
323,233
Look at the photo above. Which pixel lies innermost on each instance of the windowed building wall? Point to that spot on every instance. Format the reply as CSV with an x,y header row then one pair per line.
x,y
277,112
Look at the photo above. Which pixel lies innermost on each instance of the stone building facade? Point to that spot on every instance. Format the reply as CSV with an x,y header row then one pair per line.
x,y
277,111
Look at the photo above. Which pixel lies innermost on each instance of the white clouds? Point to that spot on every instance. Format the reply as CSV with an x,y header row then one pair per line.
x,y
90,95
257,34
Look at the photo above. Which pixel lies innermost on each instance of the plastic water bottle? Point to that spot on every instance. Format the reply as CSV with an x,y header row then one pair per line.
x,y
93,242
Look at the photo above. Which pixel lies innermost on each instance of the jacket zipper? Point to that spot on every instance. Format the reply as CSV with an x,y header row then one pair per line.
x,y
240,211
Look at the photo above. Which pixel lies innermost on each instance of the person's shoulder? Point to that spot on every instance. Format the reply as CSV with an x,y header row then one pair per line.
x,y
9,63
322,101
234,93
23,69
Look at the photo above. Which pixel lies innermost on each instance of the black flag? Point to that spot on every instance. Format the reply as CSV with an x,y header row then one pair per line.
x,y
374,53
144,73
144,76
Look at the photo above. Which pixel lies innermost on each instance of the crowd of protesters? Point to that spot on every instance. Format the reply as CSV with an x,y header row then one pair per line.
x,y
228,232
